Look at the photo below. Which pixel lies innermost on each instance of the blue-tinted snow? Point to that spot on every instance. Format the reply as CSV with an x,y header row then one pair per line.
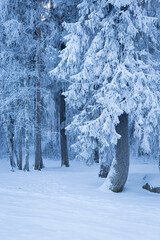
x,y
67,203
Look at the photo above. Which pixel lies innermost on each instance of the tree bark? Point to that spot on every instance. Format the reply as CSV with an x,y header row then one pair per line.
x,y
26,166
63,137
38,148
96,151
26,78
120,166
20,149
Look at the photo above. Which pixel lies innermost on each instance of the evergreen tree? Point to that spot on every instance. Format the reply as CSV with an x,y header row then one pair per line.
x,y
62,12
113,73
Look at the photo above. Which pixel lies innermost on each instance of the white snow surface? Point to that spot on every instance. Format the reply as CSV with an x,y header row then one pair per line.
x,y
68,203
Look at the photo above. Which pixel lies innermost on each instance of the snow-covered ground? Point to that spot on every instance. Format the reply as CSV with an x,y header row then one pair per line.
x,y
68,203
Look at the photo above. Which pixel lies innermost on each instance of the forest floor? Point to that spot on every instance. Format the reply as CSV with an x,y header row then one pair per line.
x,y
68,203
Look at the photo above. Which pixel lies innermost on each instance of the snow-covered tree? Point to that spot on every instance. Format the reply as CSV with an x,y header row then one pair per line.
x,y
62,11
111,65
21,75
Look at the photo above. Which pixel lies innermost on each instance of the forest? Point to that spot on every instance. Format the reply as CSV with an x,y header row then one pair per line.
x,y
79,119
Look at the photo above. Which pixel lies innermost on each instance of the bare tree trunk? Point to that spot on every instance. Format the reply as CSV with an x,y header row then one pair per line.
x,y
96,151
120,165
63,137
38,148
16,153
26,79
26,166
20,149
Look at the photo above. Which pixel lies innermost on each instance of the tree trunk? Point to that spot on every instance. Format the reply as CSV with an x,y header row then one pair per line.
x,y
26,166
20,149
96,151
26,80
106,158
16,153
63,137
120,165
10,145
38,148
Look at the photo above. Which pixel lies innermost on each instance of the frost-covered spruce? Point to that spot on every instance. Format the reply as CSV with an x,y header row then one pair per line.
x,y
111,64
19,69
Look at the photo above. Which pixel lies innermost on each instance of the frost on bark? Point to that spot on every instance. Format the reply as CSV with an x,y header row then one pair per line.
x,y
63,137
120,165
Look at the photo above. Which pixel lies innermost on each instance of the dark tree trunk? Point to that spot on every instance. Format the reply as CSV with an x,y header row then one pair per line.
x,y
11,129
120,166
38,148
104,170
63,137
106,161
96,151
16,153
96,155
20,150
12,162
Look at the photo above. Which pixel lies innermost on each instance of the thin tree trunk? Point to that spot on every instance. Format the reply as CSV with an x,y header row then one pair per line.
x,y
26,78
26,166
96,151
63,137
20,149
38,148
16,154
120,165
